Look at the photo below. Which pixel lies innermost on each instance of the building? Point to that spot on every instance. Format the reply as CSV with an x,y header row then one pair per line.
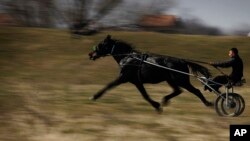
x,y
7,20
161,23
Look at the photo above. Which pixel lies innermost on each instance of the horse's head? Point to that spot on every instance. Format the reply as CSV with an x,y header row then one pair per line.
x,y
102,49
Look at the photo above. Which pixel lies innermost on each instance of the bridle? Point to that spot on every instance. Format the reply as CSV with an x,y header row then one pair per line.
x,y
113,49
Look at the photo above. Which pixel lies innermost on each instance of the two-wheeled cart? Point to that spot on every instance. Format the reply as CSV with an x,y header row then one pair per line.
x,y
228,103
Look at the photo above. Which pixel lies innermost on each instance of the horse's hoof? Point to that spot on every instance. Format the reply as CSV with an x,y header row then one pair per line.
x,y
92,98
159,110
165,103
209,104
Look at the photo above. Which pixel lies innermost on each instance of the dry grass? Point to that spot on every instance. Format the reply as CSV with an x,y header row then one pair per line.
x,y
46,80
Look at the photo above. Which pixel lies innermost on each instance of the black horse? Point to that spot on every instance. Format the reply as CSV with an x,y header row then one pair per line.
x,y
137,72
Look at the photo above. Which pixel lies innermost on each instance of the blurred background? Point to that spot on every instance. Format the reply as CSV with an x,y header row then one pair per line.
x,y
168,16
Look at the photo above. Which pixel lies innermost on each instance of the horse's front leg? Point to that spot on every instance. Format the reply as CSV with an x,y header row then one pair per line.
x,y
112,84
145,95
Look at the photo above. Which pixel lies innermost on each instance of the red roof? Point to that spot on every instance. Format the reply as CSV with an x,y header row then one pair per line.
x,y
158,20
6,19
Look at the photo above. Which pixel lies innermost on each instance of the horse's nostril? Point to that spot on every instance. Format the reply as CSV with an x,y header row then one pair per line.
x,y
91,53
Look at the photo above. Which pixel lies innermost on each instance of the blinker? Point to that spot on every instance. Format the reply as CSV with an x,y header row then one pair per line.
x,y
94,48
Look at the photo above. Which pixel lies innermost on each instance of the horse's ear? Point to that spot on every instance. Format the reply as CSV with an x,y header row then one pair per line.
x,y
108,37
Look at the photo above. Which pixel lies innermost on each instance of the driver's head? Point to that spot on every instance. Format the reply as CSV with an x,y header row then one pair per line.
x,y
233,52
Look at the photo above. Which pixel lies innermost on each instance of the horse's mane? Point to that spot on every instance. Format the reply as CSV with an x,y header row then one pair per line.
x,y
128,45
133,48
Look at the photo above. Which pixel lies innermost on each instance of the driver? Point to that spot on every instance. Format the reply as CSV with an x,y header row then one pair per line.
x,y
237,70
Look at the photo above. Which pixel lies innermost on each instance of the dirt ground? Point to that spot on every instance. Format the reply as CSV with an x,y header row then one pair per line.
x,y
121,114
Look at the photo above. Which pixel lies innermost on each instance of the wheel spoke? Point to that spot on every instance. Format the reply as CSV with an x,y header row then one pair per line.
x,y
233,105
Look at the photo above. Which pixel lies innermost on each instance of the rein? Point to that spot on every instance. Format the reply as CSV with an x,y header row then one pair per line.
x,y
196,61
160,66
202,62
198,77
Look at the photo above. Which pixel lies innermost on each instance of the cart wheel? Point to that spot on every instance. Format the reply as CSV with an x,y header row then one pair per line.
x,y
242,103
233,105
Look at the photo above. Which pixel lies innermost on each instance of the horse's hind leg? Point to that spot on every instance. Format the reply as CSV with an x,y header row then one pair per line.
x,y
175,93
198,93
145,95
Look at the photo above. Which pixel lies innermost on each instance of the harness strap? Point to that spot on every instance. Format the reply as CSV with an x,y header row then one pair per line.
x,y
142,59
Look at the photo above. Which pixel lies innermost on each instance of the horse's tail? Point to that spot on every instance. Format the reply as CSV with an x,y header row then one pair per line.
x,y
198,69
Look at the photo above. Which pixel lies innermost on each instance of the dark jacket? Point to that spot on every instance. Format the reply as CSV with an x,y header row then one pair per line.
x,y
237,67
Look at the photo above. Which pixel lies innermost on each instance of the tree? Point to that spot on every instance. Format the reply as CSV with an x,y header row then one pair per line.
x,y
80,15
82,23
31,12
118,13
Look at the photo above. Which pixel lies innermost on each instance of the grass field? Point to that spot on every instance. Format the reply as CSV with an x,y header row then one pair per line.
x,y
47,78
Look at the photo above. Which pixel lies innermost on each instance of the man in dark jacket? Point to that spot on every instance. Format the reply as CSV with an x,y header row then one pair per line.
x,y
237,70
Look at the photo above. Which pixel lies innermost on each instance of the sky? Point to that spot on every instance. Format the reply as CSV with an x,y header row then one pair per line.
x,y
224,14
